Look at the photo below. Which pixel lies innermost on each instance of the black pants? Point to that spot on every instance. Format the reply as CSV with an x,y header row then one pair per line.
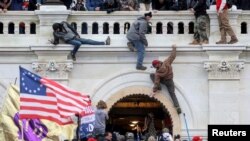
x,y
170,86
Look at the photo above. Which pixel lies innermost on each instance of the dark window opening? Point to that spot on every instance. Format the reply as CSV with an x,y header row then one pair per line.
x,y
180,28
95,28
32,28
159,28
11,28
116,28
105,28
84,28
170,28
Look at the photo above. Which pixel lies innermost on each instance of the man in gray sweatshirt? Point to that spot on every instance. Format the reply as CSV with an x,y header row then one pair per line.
x,y
69,35
137,38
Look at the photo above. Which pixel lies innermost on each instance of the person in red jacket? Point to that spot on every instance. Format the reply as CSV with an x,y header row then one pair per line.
x,y
225,28
164,75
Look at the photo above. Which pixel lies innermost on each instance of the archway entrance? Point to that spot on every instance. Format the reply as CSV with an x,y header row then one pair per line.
x,y
129,112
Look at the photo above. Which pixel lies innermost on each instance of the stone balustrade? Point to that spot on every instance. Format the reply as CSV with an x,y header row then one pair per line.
x,y
167,27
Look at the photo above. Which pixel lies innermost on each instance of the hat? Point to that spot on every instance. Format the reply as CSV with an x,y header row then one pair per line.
x,y
148,14
55,26
197,138
91,139
155,62
165,130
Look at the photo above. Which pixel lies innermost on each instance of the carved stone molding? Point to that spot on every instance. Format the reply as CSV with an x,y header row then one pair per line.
x,y
224,69
53,69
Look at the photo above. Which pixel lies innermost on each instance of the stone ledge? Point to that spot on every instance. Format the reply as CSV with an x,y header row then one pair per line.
x,y
224,47
122,48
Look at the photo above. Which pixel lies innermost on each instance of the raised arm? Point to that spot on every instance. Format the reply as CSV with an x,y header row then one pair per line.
x,y
172,56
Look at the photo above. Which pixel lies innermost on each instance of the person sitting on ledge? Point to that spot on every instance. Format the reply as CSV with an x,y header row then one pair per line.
x,y
68,34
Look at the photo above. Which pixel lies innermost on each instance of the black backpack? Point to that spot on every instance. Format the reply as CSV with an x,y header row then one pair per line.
x,y
229,3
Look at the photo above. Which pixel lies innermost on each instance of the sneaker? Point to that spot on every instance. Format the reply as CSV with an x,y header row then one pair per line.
x,y
107,42
130,46
73,56
221,42
233,41
141,68
178,109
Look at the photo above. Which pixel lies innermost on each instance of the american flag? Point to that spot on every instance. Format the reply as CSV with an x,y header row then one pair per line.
x,y
46,99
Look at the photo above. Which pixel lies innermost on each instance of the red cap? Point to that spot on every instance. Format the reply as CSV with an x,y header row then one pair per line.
x,y
92,139
197,138
155,62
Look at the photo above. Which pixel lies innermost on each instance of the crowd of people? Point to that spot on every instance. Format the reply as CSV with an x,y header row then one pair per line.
x,y
145,131
114,5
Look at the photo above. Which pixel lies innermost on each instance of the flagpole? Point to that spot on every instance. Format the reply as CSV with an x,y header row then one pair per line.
x,y
15,81
186,126
22,130
78,127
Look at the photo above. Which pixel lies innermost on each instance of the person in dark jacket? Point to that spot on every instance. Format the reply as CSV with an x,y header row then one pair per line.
x,y
111,6
161,5
68,34
95,5
137,38
16,5
201,19
164,74
79,6
67,3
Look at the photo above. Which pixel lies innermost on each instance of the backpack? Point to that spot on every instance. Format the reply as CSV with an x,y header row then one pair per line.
x,y
229,3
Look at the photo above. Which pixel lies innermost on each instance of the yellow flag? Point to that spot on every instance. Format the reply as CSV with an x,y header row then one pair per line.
x,y
9,130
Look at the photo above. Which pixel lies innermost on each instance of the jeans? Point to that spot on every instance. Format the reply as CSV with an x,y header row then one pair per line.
x,y
77,42
140,51
40,1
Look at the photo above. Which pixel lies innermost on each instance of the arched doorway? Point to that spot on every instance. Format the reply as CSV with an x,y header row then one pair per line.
x,y
129,112
130,82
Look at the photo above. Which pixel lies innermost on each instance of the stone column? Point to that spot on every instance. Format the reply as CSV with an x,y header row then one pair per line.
x,y
224,69
48,15
53,63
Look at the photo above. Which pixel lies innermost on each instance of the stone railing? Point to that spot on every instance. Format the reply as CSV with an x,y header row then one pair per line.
x,y
24,28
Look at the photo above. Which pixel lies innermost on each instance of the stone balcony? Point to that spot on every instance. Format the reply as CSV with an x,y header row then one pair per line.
x,y
28,28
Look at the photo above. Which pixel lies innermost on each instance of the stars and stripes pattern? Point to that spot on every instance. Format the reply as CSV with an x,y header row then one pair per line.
x,y
46,99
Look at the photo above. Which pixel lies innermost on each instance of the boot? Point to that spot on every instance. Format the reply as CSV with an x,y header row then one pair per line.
x,y
141,68
73,56
108,41
178,109
130,46
221,42
223,35
195,42
233,40
204,42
